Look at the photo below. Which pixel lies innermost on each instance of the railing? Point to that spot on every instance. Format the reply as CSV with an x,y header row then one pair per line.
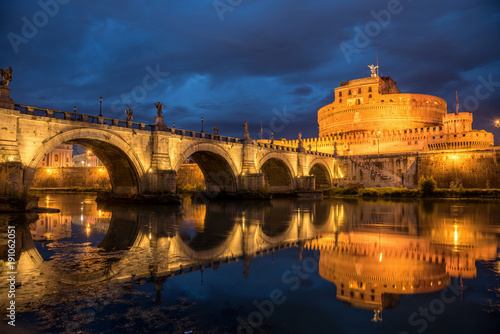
x,y
71,116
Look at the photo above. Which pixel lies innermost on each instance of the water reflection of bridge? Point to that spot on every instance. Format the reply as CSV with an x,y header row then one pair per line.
x,y
372,252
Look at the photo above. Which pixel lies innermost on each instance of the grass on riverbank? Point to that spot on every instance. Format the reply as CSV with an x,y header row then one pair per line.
x,y
388,192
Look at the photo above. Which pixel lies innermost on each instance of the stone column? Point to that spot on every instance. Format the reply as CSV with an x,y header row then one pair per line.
x,y
161,175
5,100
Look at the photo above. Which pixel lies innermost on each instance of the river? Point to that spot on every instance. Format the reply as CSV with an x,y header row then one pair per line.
x,y
280,266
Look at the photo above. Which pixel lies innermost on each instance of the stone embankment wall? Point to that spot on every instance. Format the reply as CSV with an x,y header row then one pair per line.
x,y
67,177
471,168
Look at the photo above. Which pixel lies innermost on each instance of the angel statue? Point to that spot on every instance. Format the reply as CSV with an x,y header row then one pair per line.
x,y
216,130
373,69
245,126
159,107
6,76
129,114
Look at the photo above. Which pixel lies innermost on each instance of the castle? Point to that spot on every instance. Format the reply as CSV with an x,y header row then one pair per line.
x,y
371,116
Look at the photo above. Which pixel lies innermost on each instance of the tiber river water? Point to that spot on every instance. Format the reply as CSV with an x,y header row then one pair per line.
x,y
284,266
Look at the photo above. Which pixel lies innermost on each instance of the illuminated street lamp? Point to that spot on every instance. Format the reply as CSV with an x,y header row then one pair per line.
x,y
497,125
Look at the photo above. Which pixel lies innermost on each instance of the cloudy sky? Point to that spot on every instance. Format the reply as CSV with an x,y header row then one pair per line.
x,y
270,61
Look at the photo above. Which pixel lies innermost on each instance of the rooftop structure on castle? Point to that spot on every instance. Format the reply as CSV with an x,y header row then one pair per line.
x,y
371,116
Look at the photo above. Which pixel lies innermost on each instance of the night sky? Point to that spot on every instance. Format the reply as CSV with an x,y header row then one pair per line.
x,y
270,61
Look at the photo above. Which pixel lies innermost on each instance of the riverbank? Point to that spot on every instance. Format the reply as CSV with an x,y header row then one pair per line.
x,y
388,192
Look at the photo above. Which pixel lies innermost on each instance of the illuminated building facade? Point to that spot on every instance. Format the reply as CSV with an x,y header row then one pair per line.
x,y
61,156
371,116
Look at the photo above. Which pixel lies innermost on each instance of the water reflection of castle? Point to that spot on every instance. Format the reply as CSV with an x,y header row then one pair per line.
x,y
372,270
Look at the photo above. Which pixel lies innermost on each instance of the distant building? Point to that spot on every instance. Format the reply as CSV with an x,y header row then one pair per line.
x,y
86,159
61,156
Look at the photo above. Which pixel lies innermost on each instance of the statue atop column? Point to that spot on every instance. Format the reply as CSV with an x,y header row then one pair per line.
x,y
271,139
300,147
246,133
6,76
216,130
159,125
159,108
373,68
129,114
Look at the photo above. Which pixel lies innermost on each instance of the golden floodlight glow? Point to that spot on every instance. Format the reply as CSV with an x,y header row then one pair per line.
x,y
456,234
48,170
11,158
380,258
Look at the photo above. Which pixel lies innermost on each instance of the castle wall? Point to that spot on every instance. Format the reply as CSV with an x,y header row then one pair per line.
x,y
471,168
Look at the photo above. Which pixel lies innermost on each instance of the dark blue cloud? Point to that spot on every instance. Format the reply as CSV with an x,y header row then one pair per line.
x,y
262,58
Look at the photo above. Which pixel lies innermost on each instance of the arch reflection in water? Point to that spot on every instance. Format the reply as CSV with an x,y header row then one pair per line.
x,y
372,252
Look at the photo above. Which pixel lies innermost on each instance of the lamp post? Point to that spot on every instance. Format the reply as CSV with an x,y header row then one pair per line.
x,y
100,106
202,125
378,142
75,109
497,125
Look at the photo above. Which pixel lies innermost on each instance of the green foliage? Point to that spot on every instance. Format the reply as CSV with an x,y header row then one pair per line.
x,y
190,188
427,185
353,189
457,185
389,192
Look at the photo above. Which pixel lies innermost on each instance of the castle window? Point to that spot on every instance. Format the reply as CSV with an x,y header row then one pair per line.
x,y
372,297
56,158
359,90
370,96
369,89
340,94
349,92
340,100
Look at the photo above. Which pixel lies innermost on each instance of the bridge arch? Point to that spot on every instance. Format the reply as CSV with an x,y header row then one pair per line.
x,y
124,167
278,172
216,164
320,169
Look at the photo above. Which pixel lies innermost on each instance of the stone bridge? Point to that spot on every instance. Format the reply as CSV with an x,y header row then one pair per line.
x,y
142,158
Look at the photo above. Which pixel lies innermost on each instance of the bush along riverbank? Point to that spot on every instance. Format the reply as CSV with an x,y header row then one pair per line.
x,y
426,189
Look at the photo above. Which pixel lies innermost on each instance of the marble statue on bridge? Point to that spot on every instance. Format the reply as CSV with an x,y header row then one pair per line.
x,y
129,114
159,108
6,75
